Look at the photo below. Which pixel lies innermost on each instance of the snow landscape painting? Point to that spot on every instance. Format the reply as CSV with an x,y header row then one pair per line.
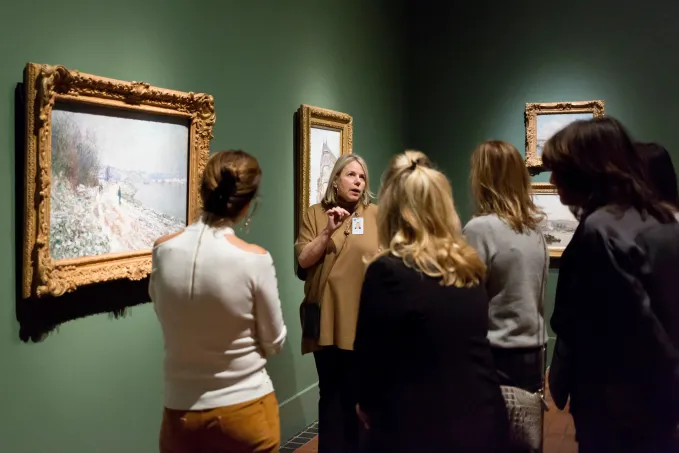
x,y
560,223
326,147
551,123
119,180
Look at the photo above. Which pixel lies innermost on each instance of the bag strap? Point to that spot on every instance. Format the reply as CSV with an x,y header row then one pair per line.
x,y
543,328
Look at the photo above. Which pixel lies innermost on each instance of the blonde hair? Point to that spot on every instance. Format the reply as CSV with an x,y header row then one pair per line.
x,y
501,185
417,222
330,198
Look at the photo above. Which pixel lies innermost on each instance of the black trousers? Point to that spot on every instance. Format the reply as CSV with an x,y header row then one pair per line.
x,y
519,367
338,425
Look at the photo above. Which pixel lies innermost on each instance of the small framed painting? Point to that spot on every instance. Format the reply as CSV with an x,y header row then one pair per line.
x,y
543,120
560,223
324,136
110,166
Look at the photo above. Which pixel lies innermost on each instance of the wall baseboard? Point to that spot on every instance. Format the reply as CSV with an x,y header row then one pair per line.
x,y
298,412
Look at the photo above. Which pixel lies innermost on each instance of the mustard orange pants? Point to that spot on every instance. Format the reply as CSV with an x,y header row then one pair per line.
x,y
250,427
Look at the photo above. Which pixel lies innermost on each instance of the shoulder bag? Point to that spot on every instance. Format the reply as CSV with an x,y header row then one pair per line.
x,y
525,409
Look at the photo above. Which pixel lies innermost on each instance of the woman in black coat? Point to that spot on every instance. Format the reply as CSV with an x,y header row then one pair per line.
x,y
427,382
616,313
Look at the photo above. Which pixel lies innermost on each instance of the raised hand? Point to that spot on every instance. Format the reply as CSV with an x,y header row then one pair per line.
x,y
336,216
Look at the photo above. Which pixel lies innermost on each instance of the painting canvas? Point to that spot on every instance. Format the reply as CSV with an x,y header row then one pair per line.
x,y
119,180
323,136
551,123
325,150
110,166
543,120
560,223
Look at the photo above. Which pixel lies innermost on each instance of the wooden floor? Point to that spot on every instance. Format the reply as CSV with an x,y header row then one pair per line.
x,y
559,434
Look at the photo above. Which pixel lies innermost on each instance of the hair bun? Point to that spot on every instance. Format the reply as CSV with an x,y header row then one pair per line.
x,y
227,184
219,200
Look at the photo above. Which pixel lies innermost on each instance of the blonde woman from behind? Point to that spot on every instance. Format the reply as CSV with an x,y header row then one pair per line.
x,y
505,232
216,298
426,375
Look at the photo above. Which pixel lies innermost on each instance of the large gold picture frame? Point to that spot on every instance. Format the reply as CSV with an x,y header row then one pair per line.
x,y
560,224
324,136
54,88
542,120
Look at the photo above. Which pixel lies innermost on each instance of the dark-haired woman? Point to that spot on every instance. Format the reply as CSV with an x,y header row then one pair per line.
x,y
661,172
616,314
216,297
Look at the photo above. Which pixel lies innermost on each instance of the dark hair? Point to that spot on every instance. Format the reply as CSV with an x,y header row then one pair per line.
x,y
230,182
660,171
595,164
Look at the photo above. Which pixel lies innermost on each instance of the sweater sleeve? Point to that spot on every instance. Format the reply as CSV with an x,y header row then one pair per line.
x,y
307,233
478,234
271,330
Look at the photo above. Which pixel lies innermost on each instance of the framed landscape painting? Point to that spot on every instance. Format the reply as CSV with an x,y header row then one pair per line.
x,y
110,166
560,223
324,136
543,120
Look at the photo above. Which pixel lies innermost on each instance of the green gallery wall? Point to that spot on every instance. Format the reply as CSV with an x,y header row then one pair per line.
x,y
95,386
474,65
441,80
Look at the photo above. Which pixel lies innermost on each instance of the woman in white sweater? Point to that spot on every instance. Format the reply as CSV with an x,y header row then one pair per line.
x,y
216,298
505,231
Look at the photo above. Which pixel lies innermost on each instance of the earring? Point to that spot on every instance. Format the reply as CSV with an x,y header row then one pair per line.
x,y
245,228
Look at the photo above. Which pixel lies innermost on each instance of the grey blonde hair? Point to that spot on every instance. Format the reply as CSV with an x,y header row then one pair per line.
x,y
330,197
418,223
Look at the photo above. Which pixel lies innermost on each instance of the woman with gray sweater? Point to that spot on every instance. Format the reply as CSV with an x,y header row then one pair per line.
x,y
505,232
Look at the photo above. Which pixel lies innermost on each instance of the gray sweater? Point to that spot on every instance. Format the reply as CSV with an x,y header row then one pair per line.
x,y
516,265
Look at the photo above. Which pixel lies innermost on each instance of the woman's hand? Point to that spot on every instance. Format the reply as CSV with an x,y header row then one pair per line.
x,y
336,216
315,250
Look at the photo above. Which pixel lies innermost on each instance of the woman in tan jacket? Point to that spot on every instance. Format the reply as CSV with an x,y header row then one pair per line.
x,y
334,238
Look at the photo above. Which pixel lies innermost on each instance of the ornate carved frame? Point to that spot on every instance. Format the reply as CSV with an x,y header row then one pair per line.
x,y
545,188
46,84
533,161
310,116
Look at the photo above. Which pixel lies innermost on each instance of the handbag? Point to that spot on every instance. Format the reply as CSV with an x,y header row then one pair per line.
x,y
526,409
310,311
311,320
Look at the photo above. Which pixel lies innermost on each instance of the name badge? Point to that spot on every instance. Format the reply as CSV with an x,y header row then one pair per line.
x,y
357,225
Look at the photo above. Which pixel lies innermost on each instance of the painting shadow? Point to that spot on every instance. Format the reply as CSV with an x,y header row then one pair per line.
x,y
38,317
300,273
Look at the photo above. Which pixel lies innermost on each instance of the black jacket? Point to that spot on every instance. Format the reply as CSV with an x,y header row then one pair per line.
x,y
616,317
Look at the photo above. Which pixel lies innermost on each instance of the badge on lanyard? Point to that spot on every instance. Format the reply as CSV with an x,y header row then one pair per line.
x,y
357,225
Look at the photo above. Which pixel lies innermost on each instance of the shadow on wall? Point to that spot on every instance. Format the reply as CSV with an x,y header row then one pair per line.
x,y
38,317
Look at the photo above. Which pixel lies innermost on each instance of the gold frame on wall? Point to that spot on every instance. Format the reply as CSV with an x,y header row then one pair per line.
x,y
533,109
545,188
46,84
310,116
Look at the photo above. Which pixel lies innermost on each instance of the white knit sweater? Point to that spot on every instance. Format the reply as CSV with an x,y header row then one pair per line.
x,y
220,314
